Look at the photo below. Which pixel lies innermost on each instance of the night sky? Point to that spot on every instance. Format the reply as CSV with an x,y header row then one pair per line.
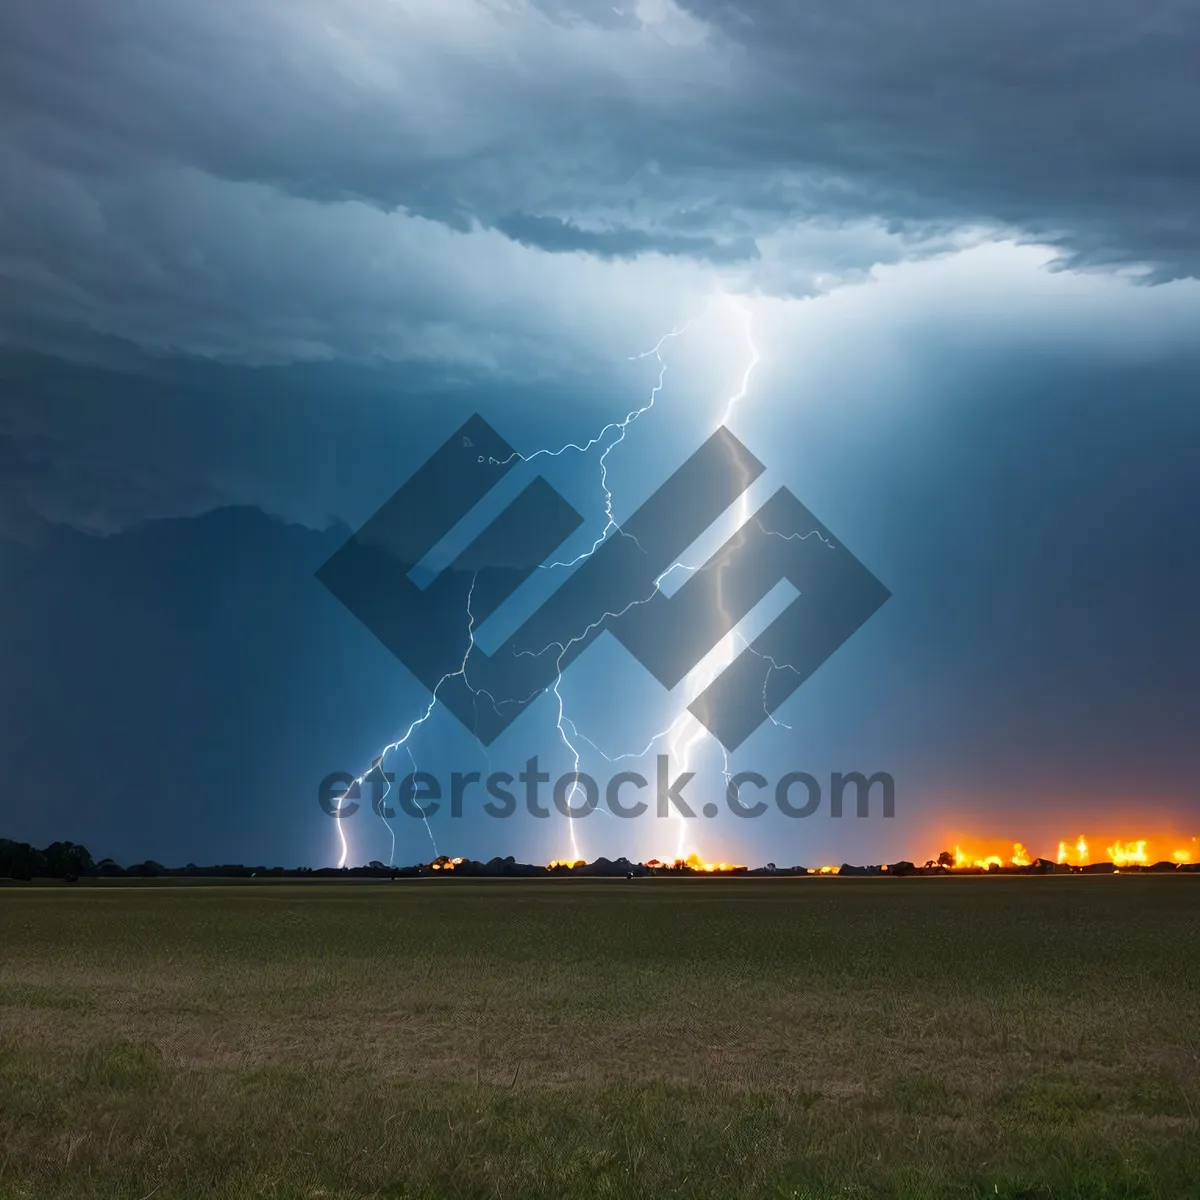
x,y
258,261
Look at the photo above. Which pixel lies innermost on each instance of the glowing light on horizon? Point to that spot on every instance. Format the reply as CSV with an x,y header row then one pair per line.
x,y
1123,854
693,862
962,859
1136,852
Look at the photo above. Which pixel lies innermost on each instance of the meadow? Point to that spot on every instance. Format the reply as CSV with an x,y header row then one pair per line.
x,y
804,1038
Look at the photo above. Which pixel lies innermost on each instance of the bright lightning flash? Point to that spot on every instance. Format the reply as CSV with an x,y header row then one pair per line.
x,y
685,733
619,428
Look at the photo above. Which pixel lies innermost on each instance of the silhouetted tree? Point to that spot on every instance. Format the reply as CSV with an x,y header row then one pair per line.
x,y
18,860
66,860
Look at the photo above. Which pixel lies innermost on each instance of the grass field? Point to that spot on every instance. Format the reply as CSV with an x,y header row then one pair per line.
x,y
560,1038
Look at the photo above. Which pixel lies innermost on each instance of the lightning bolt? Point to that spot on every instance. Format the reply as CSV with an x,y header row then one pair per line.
x,y
403,740
610,526
620,428
685,733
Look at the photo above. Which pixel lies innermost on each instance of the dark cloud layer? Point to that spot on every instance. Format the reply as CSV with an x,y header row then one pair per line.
x,y
1074,122
560,237
157,157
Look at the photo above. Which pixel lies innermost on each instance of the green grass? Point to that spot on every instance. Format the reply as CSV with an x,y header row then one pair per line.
x,y
1014,1037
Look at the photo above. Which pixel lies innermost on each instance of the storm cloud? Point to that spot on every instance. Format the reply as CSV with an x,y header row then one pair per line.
x,y
279,181
936,264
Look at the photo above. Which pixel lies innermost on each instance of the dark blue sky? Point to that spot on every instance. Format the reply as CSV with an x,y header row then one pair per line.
x,y
949,258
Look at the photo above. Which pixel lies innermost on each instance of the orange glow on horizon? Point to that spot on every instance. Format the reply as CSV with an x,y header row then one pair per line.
x,y
967,854
1122,854
693,862
1134,852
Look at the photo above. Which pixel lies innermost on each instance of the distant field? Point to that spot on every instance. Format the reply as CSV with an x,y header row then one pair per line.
x,y
1013,1037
